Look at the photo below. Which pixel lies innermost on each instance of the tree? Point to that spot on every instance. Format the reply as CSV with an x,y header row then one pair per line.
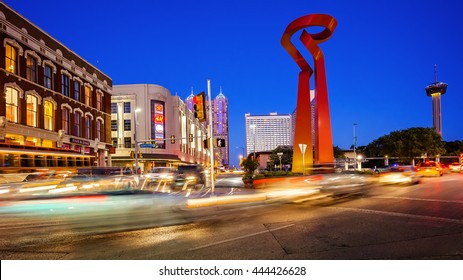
x,y
409,143
338,153
286,158
249,165
453,148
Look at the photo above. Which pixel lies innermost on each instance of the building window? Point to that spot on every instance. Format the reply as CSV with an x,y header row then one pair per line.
x,y
77,123
65,120
99,100
113,108
127,142
31,110
12,96
114,141
88,127
99,127
126,107
114,125
11,59
88,96
65,84
127,125
31,69
77,90
49,110
47,77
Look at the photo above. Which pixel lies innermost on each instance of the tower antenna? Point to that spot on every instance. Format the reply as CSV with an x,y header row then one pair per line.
x,y
435,73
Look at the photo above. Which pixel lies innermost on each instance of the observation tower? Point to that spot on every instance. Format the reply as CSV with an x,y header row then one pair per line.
x,y
435,90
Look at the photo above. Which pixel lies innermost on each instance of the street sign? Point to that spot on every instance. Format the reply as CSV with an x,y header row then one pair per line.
x,y
145,145
302,147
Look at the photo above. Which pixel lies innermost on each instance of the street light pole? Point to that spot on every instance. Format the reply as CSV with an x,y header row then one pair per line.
x,y
253,128
135,138
242,148
355,143
279,157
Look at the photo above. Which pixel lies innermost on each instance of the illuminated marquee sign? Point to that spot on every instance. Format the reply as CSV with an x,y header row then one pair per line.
x,y
158,123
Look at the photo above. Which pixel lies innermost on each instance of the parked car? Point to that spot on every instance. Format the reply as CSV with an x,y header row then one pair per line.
x,y
455,167
429,168
401,175
189,176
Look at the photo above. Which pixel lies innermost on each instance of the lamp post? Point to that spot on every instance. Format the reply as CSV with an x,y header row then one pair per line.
x,y
279,157
135,138
253,128
242,148
355,143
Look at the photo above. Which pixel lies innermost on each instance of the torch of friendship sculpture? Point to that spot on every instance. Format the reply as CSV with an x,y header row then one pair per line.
x,y
321,153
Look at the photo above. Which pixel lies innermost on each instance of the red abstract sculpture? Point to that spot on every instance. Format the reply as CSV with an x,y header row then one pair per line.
x,y
323,143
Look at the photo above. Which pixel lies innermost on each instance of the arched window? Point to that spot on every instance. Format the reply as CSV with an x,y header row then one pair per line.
x,y
49,111
11,59
47,77
31,110
88,126
31,69
12,104
77,123
65,120
99,127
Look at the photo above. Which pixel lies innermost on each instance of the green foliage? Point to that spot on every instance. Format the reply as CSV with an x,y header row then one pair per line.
x,y
408,143
338,153
453,148
249,165
286,158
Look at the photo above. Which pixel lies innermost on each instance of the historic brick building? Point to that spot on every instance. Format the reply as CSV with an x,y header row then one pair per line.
x,y
55,107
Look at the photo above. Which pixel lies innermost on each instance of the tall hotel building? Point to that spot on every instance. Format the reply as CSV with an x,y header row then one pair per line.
x,y
220,125
55,109
159,119
267,132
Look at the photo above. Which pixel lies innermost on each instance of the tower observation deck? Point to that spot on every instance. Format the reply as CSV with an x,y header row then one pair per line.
x,y
435,90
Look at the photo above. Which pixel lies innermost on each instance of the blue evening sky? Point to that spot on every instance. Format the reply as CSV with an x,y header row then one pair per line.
x,y
378,61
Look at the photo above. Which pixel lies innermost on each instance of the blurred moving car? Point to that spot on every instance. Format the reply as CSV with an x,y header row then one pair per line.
x,y
158,179
401,175
455,167
429,168
192,175
343,184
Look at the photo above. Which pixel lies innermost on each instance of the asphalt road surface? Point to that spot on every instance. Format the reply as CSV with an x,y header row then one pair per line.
x,y
423,221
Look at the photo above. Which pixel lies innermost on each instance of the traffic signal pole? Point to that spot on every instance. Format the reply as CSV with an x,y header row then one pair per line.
x,y
211,143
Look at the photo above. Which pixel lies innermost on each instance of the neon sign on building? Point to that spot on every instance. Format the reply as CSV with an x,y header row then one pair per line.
x,y
158,123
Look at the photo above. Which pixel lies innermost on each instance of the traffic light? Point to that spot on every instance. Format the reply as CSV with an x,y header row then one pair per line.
x,y
200,106
190,137
172,139
140,155
220,142
132,154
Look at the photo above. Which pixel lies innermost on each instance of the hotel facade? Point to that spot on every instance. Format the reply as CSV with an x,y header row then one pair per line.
x,y
55,107
267,132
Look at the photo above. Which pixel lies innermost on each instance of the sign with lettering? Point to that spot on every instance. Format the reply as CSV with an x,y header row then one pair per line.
x,y
80,141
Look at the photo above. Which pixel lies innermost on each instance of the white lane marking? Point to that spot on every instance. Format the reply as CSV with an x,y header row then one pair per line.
x,y
402,215
419,199
238,238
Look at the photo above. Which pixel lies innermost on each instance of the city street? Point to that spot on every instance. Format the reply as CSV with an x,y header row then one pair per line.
x,y
422,221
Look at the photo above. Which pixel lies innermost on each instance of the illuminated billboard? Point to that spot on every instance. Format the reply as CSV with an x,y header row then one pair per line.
x,y
158,123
